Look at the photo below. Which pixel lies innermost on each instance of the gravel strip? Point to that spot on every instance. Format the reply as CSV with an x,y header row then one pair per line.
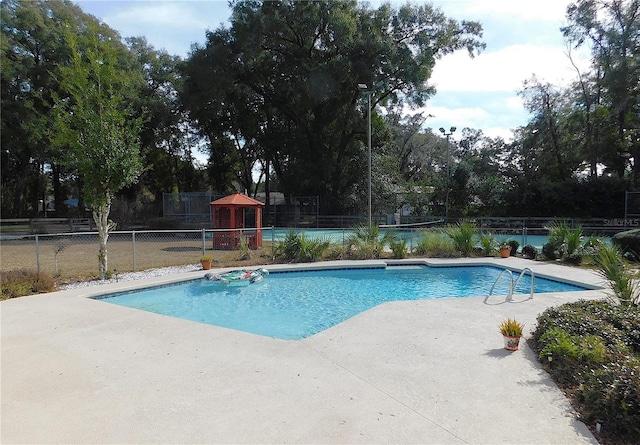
x,y
132,276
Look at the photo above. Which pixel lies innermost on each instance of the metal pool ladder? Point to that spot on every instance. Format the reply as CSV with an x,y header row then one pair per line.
x,y
513,283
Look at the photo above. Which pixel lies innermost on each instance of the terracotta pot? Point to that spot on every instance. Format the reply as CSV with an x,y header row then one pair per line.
x,y
206,265
505,252
511,343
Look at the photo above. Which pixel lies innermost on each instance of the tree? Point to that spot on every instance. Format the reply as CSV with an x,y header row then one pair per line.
x,y
611,29
95,122
167,137
32,49
283,81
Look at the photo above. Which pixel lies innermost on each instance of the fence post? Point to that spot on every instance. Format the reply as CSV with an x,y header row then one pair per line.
x,y
38,253
133,240
204,241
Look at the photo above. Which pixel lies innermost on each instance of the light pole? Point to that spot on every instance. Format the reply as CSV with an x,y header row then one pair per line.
x,y
447,135
365,89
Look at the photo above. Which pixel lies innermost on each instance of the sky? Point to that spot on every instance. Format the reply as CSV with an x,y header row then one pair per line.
x,y
523,39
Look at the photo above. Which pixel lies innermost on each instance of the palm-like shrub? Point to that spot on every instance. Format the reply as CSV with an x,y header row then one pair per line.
x,y
296,247
489,244
611,266
462,236
397,245
367,242
565,242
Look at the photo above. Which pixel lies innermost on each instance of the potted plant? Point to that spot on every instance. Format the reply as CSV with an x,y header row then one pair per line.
x,y
505,250
206,260
511,330
514,246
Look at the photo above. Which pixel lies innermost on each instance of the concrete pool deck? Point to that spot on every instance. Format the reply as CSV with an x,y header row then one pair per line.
x,y
78,370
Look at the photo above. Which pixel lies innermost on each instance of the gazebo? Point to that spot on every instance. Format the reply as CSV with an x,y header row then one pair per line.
x,y
242,216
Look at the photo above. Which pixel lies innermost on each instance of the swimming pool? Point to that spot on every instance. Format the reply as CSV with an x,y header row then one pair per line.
x,y
292,305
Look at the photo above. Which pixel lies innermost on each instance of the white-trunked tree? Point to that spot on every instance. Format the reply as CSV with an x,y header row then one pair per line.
x,y
96,123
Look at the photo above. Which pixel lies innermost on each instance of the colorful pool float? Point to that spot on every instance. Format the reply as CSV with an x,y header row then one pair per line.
x,y
238,276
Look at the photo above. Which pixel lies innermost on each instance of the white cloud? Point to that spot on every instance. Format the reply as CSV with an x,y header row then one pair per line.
x,y
491,124
502,70
170,25
545,10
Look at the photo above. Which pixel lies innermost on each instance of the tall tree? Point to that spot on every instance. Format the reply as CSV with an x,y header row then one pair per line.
x,y
32,49
95,122
611,30
167,137
284,76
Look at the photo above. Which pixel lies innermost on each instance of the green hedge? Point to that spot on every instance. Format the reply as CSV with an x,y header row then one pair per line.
x,y
592,350
628,241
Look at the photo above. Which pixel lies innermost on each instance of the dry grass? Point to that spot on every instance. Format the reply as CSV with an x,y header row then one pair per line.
x,y
64,259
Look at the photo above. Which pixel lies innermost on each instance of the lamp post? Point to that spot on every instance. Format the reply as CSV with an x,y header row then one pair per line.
x,y
447,135
365,89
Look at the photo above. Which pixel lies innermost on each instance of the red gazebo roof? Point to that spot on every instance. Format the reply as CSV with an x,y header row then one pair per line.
x,y
237,199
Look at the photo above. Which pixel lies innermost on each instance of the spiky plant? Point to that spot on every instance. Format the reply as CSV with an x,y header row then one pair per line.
x,y
611,265
296,247
462,236
367,242
397,245
488,243
511,328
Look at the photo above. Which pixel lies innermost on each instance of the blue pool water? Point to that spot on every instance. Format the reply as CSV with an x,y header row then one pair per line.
x,y
295,305
411,236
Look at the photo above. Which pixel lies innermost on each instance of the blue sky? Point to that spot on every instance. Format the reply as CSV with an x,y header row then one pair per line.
x,y
523,38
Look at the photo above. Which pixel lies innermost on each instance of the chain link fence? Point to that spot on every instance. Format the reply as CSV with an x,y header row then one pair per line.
x,y
76,254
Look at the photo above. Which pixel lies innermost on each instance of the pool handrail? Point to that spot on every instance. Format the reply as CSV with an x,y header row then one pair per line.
x,y
533,278
510,294
514,284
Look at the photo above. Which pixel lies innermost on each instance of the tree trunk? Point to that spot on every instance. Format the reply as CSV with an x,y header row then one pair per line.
x,y
104,226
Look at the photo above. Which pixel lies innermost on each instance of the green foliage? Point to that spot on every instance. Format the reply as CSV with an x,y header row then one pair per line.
x,y
551,251
592,349
436,244
611,266
94,120
565,242
33,49
95,125
530,252
397,245
296,247
489,244
462,236
367,242
514,246
628,241
18,283
511,328
560,345
312,127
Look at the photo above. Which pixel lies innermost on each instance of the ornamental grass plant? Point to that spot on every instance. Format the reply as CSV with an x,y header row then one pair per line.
x,y
511,328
